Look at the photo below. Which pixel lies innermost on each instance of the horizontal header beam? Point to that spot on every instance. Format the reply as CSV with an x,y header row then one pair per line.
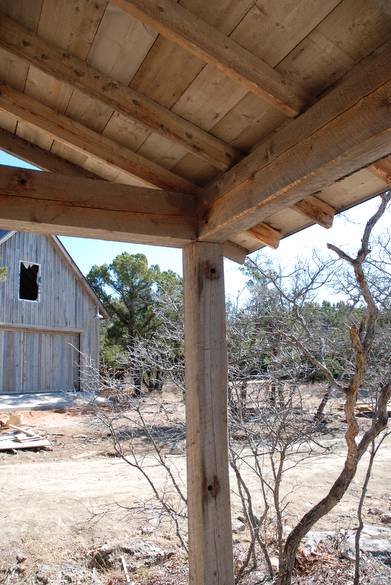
x,y
67,205
207,43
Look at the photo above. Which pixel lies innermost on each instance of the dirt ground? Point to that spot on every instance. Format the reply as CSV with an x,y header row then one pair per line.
x,y
57,505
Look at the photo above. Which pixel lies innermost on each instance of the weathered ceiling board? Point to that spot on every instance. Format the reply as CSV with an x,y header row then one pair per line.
x,y
27,12
316,62
34,135
121,44
169,70
328,52
264,31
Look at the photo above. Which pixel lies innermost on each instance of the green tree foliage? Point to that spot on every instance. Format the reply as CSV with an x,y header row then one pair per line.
x,y
3,273
135,296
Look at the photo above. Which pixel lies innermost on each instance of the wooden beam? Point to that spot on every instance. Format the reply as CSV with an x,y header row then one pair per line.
x,y
39,157
72,206
81,138
190,32
350,141
266,235
53,163
208,493
366,77
316,210
63,66
382,169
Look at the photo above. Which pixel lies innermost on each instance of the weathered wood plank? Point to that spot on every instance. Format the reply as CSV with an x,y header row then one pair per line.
x,y
317,210
355,138
82,138
65,67
67,205
366,77
38,156
208,493
189,31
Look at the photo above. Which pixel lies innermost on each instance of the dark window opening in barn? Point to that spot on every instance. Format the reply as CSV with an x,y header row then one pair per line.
x,y
29,281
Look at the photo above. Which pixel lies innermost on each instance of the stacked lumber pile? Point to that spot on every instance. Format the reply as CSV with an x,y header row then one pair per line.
x,y
14,436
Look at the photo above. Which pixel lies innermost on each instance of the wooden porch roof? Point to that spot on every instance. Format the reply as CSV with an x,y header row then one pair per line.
x,y
238,121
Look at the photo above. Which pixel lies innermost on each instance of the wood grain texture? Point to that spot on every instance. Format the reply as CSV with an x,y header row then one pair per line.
x,y
364,78
82,138
382,169
210,530
350,141
38,156
317,210
266,235
67,205
208,44
65,67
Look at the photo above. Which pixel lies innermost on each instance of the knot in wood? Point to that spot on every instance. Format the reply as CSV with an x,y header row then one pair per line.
x,y
211,271
213,487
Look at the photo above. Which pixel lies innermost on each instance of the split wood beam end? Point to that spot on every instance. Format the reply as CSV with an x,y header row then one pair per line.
x,y
382,169
316,210
266,235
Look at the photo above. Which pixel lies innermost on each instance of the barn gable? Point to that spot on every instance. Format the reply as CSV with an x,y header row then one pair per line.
x,y
45,332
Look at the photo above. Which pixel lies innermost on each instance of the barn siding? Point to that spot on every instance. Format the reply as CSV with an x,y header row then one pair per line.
x,y
63,304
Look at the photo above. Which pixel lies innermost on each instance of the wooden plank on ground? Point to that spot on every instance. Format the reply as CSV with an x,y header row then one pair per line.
x,y
189,31
77,73
67,205
208,492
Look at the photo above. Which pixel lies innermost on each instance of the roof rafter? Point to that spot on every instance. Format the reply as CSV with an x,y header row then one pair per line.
x,y
69,205
78,136
344,131
63,66
316,210
176,23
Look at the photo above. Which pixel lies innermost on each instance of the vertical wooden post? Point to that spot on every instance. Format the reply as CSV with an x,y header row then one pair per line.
x,y
210,528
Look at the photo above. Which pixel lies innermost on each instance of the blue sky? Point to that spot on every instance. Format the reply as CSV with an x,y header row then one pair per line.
x,y
345,232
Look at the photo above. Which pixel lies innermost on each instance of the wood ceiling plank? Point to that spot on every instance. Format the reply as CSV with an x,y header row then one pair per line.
x,y
120,45
7,122
98,89
211,46
37,156
64,204
71,25
81,138
272,29
34,135
27,12
364,78
315,63
354,139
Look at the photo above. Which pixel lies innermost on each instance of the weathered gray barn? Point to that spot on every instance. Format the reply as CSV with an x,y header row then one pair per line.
x,y
49,316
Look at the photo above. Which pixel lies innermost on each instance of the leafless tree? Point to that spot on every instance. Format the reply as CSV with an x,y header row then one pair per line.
x,y
362,335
